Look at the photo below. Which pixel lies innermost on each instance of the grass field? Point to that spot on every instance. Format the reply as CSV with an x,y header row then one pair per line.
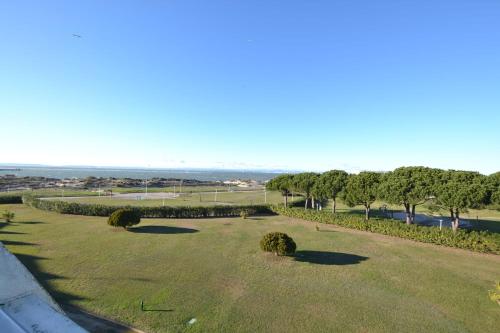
x,y
187,199
184,189
213,270
484,219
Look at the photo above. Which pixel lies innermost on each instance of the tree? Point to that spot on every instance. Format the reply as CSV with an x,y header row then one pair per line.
x,y
124,218
282,183
494,189
459,190
304,182
362,189
408,186
330,184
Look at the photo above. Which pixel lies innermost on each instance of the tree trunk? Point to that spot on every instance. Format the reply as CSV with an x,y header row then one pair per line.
x,y
312,203
367,212
408,214
455,222
413,213
334,205
305,206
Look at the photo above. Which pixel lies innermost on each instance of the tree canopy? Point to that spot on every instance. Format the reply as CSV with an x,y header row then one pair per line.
x,y
283,184
494,188
330,185
459,190
408,186
362,189
304,183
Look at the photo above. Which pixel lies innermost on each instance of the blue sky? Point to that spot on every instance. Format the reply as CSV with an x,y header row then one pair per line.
x,y
303,85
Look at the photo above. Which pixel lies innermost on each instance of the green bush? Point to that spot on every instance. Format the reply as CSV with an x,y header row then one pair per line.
x,y
8,216
278,243
11,199
495,293
75,208
480,241
124,218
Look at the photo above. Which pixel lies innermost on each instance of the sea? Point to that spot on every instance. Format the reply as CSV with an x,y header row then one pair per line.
x,y
117,172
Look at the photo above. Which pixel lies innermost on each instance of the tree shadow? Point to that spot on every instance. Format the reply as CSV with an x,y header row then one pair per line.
x,y
9,242
12,233
484,225
158,310
30,222
328,258
160,229
45,278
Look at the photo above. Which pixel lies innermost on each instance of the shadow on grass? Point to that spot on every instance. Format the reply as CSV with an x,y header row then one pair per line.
x,y
45,278
484,225
12,233
30,222
160,229
328,258
8,242
158,310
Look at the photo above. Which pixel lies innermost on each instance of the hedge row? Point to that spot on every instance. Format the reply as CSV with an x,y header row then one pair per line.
x,y
11,199
75,208
479,241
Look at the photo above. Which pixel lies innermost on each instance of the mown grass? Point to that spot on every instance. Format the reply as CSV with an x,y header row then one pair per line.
x,y
187,199
213,270
183,189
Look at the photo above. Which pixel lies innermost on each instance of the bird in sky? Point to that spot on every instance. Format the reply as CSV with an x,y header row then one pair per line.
x,y
77,36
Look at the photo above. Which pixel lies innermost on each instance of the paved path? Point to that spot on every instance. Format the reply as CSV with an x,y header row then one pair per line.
x,y
429,220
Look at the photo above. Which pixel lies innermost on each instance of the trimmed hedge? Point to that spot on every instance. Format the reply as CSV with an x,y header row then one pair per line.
x,y
124,218
278,243
11,199
480,241
75,208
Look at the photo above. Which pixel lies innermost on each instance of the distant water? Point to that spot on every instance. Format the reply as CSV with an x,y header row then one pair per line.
x,y
82,172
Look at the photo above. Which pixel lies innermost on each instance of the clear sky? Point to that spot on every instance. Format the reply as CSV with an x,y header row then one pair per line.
x,y
297,84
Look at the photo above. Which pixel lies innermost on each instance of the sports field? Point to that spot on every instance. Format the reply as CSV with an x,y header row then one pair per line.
x,y
213,270
183,199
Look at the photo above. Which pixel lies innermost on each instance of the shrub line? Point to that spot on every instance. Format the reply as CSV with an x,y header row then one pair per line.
x,y
75,208
479,241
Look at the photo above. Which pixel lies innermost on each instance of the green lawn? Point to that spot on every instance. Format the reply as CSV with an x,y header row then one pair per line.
x,y
213,270
184,189
187,199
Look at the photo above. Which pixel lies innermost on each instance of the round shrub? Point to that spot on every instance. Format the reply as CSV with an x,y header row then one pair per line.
x,y
124,218
244,213
278,243
8,216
